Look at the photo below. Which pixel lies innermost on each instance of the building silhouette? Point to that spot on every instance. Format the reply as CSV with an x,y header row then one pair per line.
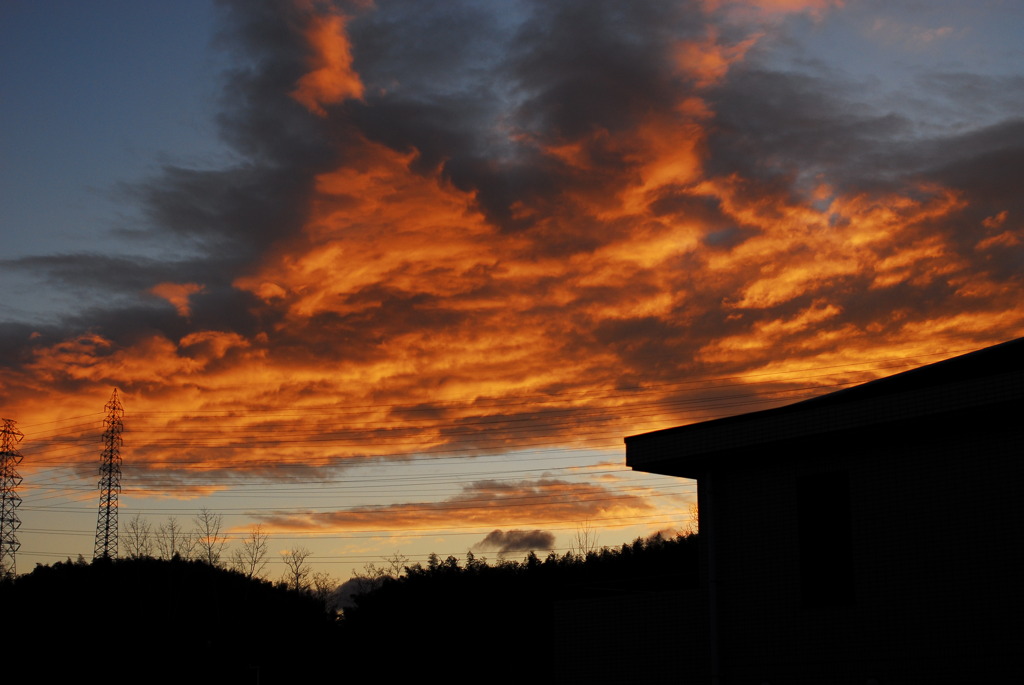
x,y
871,535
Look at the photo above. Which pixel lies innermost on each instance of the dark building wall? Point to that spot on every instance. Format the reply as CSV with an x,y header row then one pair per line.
x,y
654,637
934,536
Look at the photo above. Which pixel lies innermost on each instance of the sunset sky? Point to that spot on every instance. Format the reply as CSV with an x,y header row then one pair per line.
x,y
395,275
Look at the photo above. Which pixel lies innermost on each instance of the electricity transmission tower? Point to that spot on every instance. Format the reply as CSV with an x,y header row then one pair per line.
x,y
110,480
9,498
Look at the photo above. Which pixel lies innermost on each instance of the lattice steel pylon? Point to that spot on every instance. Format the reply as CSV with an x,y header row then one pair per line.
x,y
110,480
9,498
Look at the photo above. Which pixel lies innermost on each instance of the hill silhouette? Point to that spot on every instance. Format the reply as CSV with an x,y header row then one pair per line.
x,y
480,617
186,621
163,621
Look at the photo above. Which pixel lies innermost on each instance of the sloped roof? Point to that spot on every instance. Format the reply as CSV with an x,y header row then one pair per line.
x,y
993,375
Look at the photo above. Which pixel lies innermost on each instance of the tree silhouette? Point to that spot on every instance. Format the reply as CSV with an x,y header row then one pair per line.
x,y
209,541
137,538
521,596
172,540
250,559
297,570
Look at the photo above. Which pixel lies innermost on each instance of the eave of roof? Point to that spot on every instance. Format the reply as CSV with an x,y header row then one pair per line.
x,y
988,376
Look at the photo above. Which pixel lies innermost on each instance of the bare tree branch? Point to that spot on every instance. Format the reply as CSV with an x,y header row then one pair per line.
x,y
251,558
171,540
209,541
137,538
585,541
297,569
323,586
693,525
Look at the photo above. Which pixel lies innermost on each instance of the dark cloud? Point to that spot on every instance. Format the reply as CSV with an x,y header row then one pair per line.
x,y
791,130
507,541
236,213
986,97
784,127
598,65
99,271
987,164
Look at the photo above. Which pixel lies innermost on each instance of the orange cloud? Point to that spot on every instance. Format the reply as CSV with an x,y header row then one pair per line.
x,y
380,223
1004,239
708,61
996,220
178,295
773,7
331,78
484,504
